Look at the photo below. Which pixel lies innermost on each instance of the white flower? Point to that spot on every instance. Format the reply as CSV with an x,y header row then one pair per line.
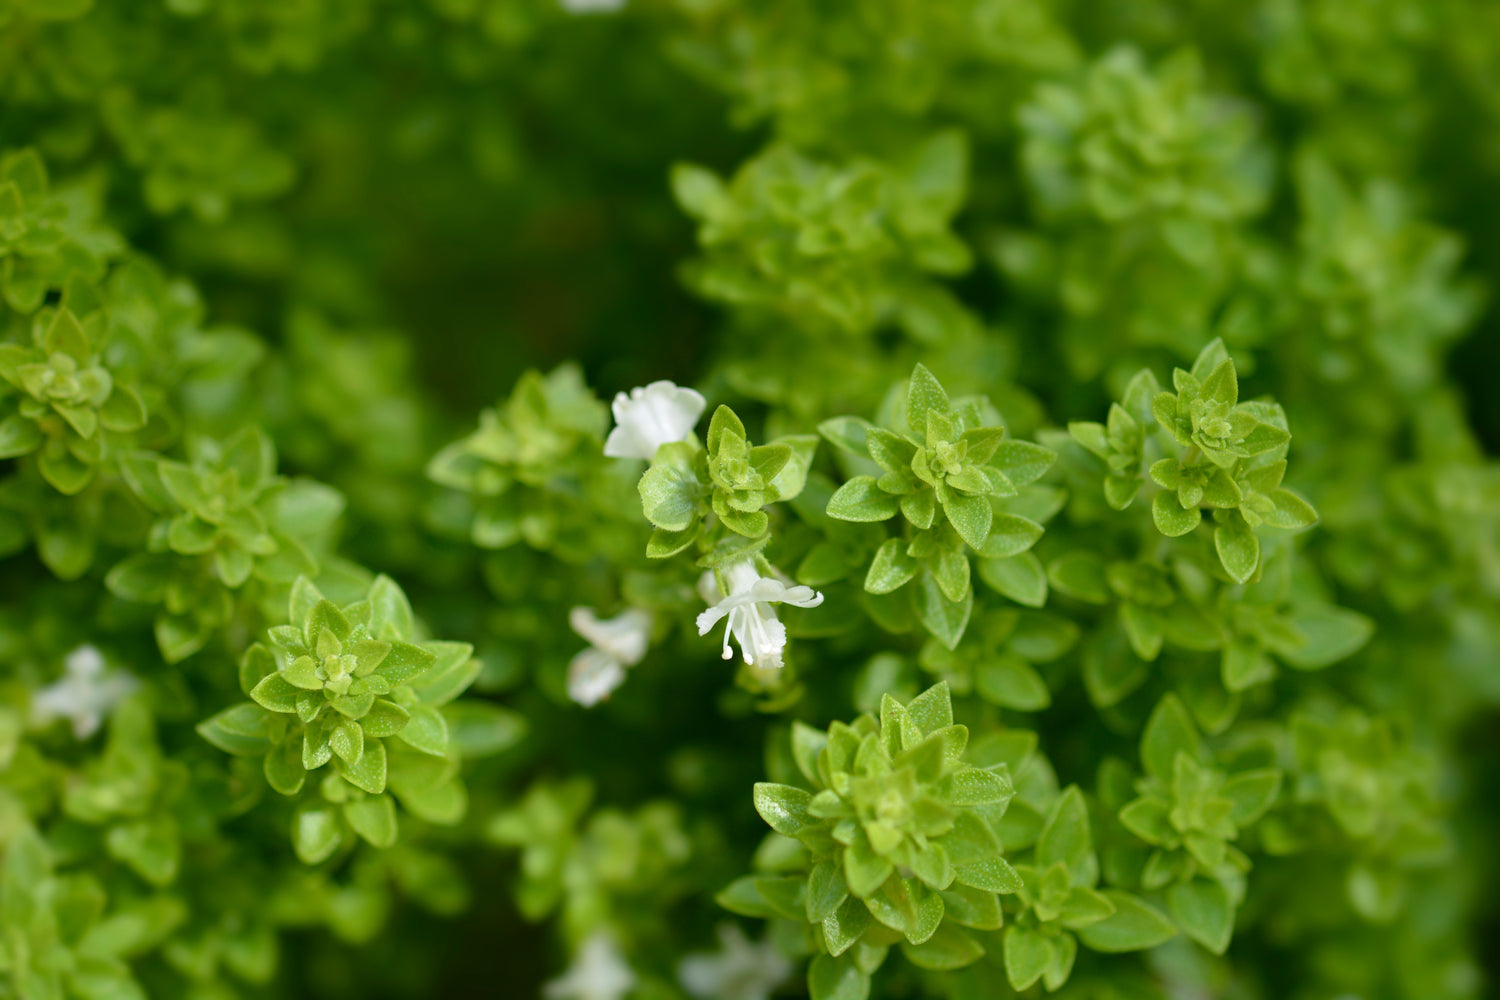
x,y
650,417
86,694
614,644
740,970
591,6
752,620
598,972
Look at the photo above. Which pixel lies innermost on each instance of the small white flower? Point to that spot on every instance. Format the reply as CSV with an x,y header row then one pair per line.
x,y
598,972
650,417
747,605
740,970
85,694
614,644
592,6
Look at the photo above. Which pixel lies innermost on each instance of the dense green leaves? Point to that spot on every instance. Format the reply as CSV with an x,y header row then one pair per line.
x,y
1204,673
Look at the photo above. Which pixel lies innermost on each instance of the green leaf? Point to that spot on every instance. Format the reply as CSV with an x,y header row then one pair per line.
x,y
920,508
925,395
1239,552
970,516
1081,576
949,948
864,870
1221,385
1149,819
19,436
63,470
1170,517
348,741
975,786
951,570
846,433
830,978
407,662
316,834
1204,911
276,693
479,729
891,568
390,612
65,336
1169,731
374,819
123,411
426,730
1010,682
783,807
1084,906
152,848
1065,837
283,768
670,490
1329,635
369,772
1010,535
1022,461
826,890
241,729
861,500
1135,925
1028,954
699,191
1290,511
1252,793
1020,578
945,618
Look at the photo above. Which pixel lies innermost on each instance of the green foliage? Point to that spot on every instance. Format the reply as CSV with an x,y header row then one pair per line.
x,y
944,466
901,838
301,298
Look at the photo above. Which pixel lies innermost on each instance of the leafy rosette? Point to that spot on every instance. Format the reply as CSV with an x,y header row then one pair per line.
x,y
898,840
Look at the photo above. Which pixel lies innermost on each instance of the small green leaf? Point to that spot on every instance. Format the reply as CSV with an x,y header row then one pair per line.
x,y
891,568
426,730
945,618
783,807
949,948
1010,535
970,516
1169,731
19,436
241,729
1020,577
846,433
1252,793
864,870
1239,552
1134,926
1065,837
861,500
1329,634
925,395
316,834
1010,682
369,772
1290,511
1204,911
830,978
1170,517
670,490
1022,461
1028,954
373,819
